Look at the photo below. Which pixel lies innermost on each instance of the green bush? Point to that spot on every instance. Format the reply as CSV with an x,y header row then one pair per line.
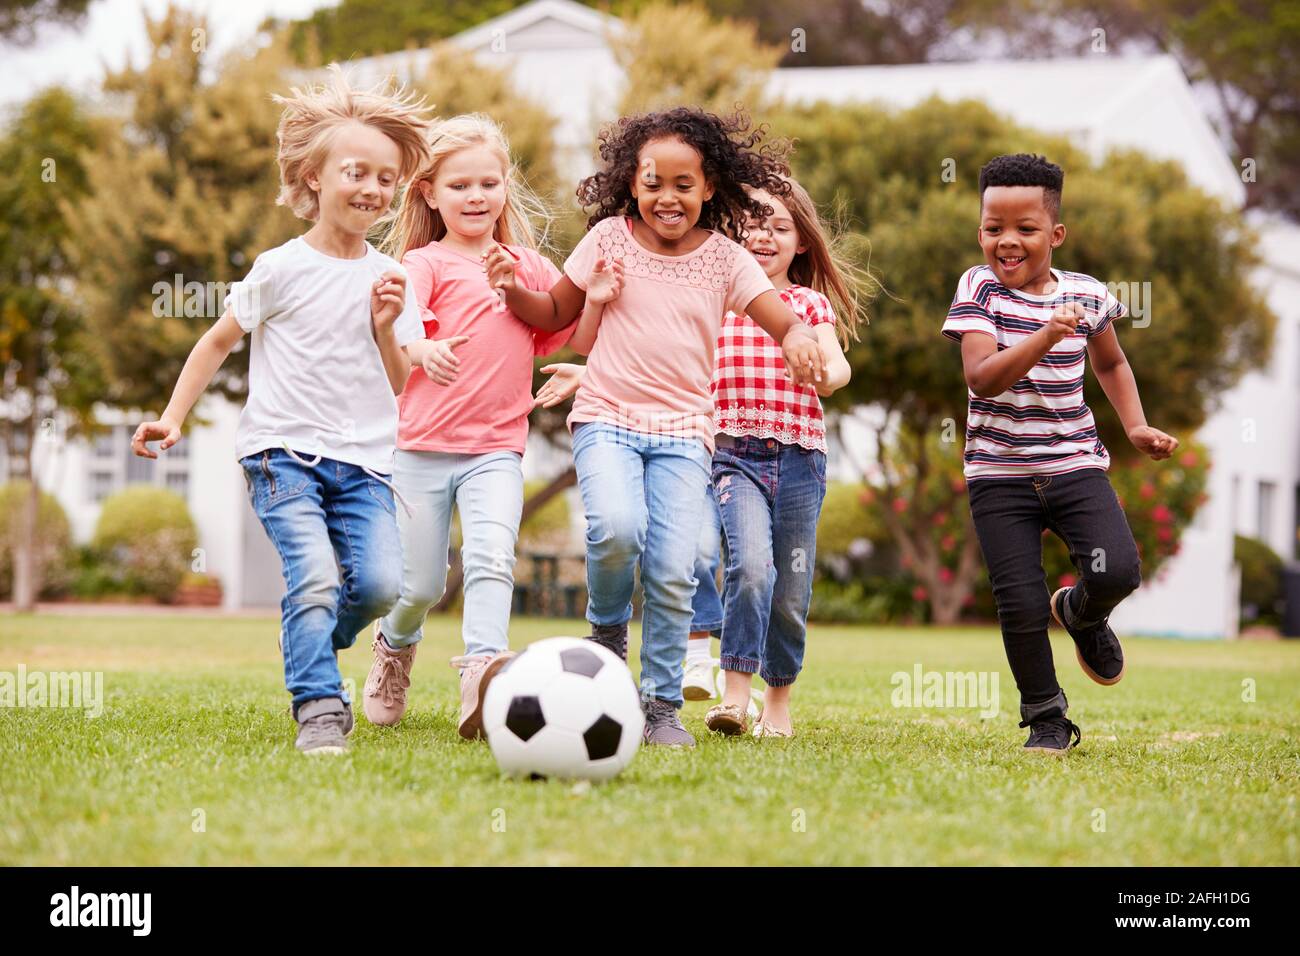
x,y
551,523
146,538
54,550
847,517
1261,581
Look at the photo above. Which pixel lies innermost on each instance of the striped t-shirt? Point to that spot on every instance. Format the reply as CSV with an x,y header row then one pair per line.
x,y
1041,425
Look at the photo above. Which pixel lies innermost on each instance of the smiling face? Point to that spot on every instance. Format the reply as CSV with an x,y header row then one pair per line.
x,y
774,241
469,191
357,179
1018,234
670,187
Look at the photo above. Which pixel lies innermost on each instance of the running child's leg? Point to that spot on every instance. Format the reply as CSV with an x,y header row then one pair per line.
x,y
490,498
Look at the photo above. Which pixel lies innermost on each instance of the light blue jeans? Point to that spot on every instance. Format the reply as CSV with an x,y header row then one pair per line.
x,y
333,525
643,495
706,606
770,497
488,490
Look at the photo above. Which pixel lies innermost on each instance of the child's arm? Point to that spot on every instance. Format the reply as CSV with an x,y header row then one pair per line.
x,y
990,372
603,285
437,357
1116,378
563,383
838,372
548,311
204,360
800,346
387,299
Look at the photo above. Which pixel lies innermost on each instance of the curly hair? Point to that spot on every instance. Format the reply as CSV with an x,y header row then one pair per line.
x,y
1025,169
730,153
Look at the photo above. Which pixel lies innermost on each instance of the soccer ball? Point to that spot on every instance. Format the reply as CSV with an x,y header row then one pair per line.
x,y
565,707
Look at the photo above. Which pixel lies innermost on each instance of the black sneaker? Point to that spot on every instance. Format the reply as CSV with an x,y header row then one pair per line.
x,y
1052,735
612,637
1097,647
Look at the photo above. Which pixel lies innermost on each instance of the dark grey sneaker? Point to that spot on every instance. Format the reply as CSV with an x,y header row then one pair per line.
x,y
1053,735
1096,647
1050,730
612,637
663,726
323,726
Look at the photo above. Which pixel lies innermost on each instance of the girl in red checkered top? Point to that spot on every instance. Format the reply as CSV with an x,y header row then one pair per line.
x,y
769,469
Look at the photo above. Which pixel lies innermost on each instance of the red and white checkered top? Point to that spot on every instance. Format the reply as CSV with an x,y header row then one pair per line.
x,y
751,394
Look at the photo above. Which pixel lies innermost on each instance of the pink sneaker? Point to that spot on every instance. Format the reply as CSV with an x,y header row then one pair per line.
x,y
386,684
476,672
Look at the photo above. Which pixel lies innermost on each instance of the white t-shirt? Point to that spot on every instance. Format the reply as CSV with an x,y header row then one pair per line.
x,y
316,379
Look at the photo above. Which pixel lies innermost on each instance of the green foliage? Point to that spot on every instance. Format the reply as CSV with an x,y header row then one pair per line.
x,y
1261,581
728,63
54,552
20,19
147,537
196,155
46,355
847,517
550,523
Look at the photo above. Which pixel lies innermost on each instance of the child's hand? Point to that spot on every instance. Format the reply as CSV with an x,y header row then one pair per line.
x,y
1064,321
1152,442
804,360
387,299
166,430
500,269
605,281
563,383
439,361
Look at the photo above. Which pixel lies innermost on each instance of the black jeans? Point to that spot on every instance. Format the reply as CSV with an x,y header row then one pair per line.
x,y
1010,516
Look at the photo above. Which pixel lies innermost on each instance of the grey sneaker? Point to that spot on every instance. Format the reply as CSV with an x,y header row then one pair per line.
x,y
662,725
323,726
612,637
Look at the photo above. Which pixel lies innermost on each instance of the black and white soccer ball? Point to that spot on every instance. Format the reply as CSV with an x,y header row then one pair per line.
x,y
565,707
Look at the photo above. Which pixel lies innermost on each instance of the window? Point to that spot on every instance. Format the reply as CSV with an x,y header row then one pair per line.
x,y
106,444
101,485
179,482
1264,515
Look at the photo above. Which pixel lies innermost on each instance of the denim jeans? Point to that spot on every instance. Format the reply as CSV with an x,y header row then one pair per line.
x,y
1010,515
488,490
643,495
334,526
706,606
770,497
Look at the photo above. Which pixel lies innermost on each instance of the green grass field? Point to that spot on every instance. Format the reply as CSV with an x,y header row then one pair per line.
x,y
192,762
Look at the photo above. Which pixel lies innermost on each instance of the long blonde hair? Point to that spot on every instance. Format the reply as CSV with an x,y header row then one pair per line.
x,y
826,267
417,225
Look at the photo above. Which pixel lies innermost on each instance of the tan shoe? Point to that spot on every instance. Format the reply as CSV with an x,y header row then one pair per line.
x,y
763,729
476,672
726,719
390,675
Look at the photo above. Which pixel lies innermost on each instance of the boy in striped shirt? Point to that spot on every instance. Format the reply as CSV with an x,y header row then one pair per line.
x,y
1033,458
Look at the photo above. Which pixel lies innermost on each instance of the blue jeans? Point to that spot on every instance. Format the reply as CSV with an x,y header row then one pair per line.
x,y
770,497
488,490
643,495
335,528
706,606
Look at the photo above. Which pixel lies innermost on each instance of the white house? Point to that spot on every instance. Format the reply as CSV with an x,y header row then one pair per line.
x,y
557,52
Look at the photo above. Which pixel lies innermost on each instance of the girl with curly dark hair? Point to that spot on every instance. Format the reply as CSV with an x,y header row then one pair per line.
x,y
657,270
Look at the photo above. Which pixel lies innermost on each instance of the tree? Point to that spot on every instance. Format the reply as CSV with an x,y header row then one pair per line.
x,y
196,157
50,375
728,64
1178,255
19,19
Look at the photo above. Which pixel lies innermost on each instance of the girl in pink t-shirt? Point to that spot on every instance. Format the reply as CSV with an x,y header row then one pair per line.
x,y
463,416
661,248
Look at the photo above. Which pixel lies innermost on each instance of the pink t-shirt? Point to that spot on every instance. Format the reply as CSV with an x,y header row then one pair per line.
x,y
487,407
650,368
